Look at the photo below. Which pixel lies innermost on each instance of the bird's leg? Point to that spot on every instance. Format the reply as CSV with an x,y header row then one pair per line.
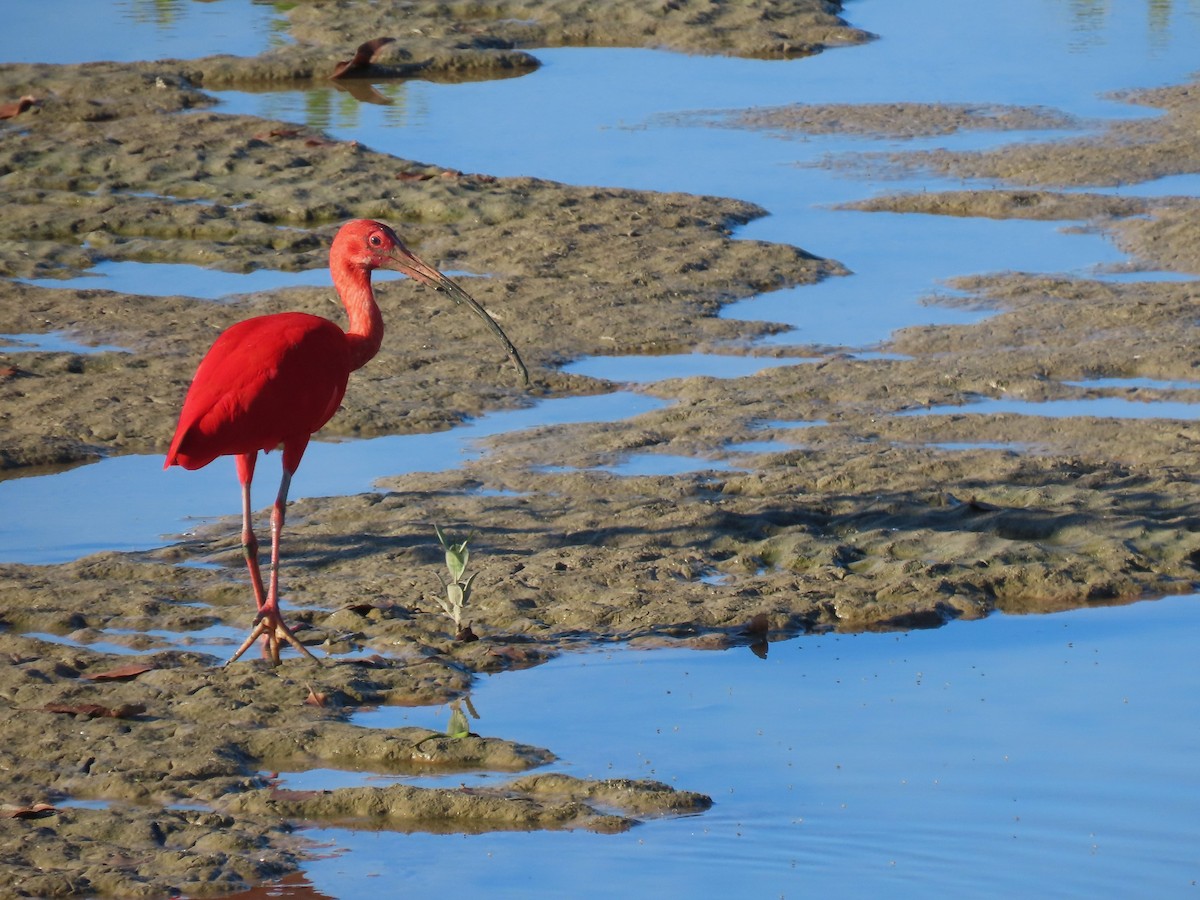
x,y
245,470
268,624
272,607
249,541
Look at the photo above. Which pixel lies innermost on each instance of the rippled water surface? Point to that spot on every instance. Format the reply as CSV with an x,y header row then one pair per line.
x,y
1018,756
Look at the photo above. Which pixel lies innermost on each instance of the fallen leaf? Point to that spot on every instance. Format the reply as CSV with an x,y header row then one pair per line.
x,y
514,654
315,698
465,635
11,110
36,811
362,57
365,607
758,624
133,670
96,711
277,133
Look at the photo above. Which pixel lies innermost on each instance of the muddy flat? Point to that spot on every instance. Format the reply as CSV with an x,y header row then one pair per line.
x,y
864,520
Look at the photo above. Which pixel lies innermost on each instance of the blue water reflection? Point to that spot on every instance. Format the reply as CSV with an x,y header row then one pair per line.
x,y
1018,756
131,30
66,515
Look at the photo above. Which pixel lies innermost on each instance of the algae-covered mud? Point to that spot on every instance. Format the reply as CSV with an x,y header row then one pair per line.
x,y
890,496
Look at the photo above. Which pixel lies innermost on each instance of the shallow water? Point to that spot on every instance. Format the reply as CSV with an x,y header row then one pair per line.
x,y
51,342
648,369
1154,384
1104,407
104,505
132,30
182,279
1040,755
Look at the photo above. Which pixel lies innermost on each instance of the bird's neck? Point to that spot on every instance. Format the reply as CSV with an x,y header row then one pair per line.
x,y
365,333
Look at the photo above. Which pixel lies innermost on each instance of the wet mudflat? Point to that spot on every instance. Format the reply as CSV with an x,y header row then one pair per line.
x,y
854,517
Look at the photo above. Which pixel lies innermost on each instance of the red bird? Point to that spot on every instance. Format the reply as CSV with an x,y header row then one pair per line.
x,y
274,380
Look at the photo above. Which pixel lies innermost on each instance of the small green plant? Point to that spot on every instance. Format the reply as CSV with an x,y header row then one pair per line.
x,y
457,587
460,725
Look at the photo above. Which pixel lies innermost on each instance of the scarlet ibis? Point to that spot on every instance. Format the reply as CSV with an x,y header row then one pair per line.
x,y
274,380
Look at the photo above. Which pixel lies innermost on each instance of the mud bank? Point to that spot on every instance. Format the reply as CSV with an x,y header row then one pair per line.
x,y
867,513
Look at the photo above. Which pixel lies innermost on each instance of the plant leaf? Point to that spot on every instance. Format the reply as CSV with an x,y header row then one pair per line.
x,y
36,811
96,711
458,726
121,673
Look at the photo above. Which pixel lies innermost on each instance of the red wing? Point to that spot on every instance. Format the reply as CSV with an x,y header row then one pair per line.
x,y
266,380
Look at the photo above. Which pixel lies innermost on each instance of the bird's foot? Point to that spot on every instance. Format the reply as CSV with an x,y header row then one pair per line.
x,y
269,626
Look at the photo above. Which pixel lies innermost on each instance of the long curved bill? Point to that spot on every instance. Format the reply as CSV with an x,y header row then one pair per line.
x,y
404,260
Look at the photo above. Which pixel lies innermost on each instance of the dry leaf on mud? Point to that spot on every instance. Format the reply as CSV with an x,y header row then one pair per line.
x,y
315,697
513,654
96,711
11,110
36,811
361,59
277,133
758,624
121,673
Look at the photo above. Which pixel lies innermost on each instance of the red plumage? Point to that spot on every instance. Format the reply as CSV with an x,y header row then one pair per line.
x,y
266,382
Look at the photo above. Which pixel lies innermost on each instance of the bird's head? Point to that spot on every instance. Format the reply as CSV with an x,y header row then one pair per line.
x,y
369,245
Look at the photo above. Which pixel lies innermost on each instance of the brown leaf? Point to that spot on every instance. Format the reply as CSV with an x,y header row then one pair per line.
x,y
361,59
277,133
121,673
11,110
758,624
366,607
513,654
96,711
315,698
465,635
36,811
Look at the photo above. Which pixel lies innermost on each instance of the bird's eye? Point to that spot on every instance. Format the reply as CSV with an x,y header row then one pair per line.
x,y
375,240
